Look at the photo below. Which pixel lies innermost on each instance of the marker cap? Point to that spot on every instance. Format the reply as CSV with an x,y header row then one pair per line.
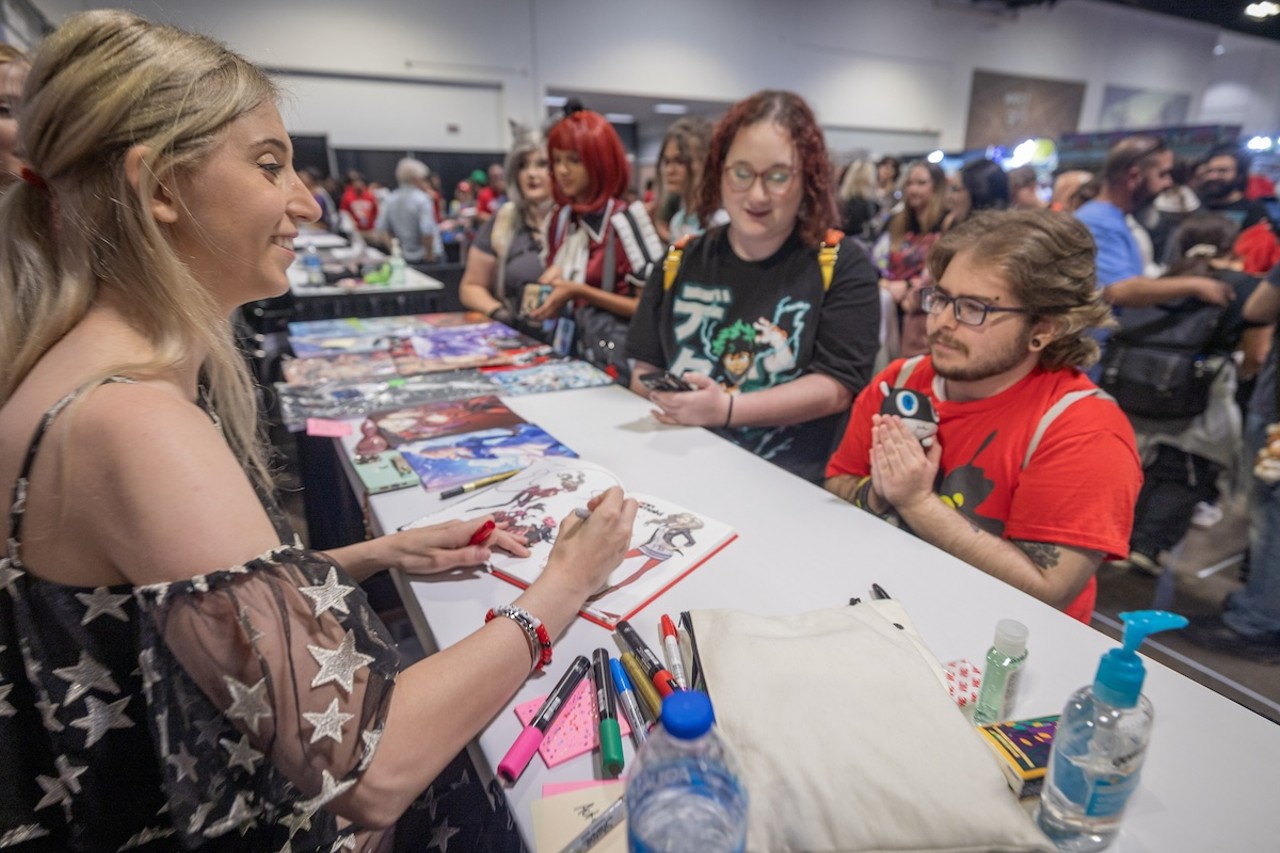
x,y
611,747
518,756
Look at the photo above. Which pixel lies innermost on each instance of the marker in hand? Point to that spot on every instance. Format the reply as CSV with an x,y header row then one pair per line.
x,y
518,756
482,533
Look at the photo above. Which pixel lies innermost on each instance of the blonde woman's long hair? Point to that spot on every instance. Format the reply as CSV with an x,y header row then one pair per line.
x,y
102,83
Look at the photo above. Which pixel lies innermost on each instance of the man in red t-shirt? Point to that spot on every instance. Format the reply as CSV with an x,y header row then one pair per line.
x,y
1032,476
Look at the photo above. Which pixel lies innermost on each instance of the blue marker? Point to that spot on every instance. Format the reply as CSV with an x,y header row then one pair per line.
x,y
627,698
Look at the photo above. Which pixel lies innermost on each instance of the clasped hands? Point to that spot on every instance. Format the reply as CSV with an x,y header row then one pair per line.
x,y
902,471
707,405
562,292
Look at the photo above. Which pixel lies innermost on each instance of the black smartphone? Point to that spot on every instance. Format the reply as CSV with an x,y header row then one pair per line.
x,y
661,380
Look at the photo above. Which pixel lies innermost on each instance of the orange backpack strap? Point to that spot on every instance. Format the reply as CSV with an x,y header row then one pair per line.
x,y
827,254
671,265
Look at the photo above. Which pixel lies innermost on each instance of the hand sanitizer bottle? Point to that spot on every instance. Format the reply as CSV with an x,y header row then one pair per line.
x,y
1002,672
1100,744
397,277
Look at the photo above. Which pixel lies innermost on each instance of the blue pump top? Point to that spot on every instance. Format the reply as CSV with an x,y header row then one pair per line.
x,y
1120,672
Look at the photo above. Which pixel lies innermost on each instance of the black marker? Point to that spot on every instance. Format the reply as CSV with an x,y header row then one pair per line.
x,y
610,735
664,681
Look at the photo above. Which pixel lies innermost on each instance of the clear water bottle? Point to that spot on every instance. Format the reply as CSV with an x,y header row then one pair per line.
x,y
685,792
398,264
313,266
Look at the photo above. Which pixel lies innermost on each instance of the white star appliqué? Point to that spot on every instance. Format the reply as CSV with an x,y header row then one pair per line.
x,y
339,664
48,710
248,703
100,717
102,602
329,724
6,710
329,596
55,793
440,836
242,754
198,818
69,775
184,763
329,789
347,842
370,738
238,816
86,675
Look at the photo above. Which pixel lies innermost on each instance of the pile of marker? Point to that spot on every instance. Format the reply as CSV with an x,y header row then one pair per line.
x,y
637,670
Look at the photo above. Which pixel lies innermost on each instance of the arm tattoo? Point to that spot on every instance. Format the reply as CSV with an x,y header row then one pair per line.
x,y
1045,555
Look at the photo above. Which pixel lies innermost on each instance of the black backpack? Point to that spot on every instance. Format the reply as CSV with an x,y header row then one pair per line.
x,y
1159,364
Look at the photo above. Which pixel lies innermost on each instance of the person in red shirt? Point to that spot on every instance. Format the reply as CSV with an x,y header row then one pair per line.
x,y
492,196
359,201
1032,476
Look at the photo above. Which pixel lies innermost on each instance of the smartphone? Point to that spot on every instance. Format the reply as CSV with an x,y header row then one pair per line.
x,y
661,380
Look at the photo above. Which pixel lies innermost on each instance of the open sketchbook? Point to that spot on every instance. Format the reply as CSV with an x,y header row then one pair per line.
x,y
667,541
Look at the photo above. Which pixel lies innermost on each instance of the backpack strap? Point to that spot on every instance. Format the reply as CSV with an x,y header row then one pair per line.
x,y
1064,402
828,252
671,265
907,367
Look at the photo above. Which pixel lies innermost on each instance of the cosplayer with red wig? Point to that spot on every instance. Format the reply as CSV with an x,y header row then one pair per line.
x,y
773,318
599,249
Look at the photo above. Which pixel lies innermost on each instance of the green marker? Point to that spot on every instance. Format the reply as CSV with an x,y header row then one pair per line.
x,y
610,735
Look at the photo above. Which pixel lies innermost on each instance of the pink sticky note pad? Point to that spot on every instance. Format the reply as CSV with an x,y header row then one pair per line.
x,y
550,789
576,729
327,429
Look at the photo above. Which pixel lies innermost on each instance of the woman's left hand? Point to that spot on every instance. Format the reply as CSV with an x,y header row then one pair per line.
x,y
706,405
561,293
445,546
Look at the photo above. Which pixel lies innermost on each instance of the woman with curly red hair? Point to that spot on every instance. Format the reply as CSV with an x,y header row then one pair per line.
x,y
772,319
599,248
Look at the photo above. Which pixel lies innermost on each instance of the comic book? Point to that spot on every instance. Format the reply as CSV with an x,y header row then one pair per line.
x,y
667,542
553,376
342,399
1023,747
462,458
449,417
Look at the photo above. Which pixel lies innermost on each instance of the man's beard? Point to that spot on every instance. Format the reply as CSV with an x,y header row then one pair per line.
x,y
975,370
1216,191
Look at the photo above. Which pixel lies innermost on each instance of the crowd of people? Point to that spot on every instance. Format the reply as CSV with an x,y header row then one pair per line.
x,y
176,668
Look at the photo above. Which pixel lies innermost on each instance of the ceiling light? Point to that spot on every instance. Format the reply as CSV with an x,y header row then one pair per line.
x,y
555,100
935,157
620,118
1259,143
1262,11
1219,49
670,109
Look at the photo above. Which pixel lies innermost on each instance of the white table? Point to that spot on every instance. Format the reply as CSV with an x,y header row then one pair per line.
x,y
1212,777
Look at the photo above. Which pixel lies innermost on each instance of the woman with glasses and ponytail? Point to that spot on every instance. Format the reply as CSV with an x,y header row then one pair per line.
x,y
772,319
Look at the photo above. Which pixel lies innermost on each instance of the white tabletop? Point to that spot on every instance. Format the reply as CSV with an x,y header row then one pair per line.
x,y
414,280
1213,770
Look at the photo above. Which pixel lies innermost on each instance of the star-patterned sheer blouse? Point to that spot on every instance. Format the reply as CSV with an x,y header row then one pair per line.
x,y
219,712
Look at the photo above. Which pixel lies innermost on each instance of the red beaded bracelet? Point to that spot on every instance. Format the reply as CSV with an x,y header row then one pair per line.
x,y
536,633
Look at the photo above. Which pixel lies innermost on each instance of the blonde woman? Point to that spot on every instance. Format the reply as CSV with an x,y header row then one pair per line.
x,y
175,668
13,72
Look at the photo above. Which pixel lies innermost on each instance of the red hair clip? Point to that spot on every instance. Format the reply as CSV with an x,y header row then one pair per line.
x,y
34,179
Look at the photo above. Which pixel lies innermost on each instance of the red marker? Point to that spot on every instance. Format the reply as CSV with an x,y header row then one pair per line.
x,y
671,651
664,681
482,533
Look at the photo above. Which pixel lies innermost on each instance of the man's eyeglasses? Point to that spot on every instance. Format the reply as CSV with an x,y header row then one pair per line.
x,y
967,310
776,179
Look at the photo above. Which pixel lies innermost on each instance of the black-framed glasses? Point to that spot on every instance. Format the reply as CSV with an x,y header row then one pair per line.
x,y
776,179
967,310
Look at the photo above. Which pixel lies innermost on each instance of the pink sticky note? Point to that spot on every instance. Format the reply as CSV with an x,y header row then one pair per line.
x,y
576,729
550,789
327,429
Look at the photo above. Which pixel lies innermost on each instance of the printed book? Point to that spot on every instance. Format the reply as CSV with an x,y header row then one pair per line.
x,y
667,542
384,471
457,459
1023,747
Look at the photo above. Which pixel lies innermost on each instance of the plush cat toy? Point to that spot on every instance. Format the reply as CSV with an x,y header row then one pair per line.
x,y
915,409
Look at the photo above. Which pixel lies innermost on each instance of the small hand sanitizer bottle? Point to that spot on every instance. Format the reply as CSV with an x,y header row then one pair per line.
x,y
1002,673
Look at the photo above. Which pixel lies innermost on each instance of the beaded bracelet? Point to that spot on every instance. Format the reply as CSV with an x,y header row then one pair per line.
x,y
535,632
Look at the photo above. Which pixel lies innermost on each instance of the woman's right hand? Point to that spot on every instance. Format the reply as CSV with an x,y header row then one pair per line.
x,y
587,550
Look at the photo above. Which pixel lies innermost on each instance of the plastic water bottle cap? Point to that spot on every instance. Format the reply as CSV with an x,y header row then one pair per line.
x,y
687,714
1011,637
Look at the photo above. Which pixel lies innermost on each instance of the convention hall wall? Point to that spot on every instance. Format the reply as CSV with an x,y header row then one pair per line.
x,y
448,74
